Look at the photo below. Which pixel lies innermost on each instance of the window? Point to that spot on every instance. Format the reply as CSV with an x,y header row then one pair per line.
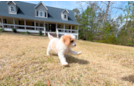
x,y
69,27
19,22
65,16
5,20
9,21
16,22
12,8
41,13
41,24
32,23
45,14
36,24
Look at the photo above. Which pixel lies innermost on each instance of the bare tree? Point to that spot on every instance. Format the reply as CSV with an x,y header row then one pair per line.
x,y
80,4
132,8
107,9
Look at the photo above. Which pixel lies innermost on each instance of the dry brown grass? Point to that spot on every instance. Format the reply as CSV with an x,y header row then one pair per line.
x,y
23,61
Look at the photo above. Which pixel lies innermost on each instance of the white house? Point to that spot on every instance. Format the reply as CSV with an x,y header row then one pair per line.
x,y
34,17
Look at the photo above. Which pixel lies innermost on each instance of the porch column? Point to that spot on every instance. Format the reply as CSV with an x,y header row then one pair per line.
x,y
44,29
71,28
48,27
56,26
2,22
78,28
34,25
25,24
14,22
78,32
57,31
64,27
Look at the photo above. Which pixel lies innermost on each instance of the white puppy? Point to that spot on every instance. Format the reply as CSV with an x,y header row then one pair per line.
x,y
62,46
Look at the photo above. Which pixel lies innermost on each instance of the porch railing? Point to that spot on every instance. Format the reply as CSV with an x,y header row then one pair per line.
x,y
10,26
21,25
59,31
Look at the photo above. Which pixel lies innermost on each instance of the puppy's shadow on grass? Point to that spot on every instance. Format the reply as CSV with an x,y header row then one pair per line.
x,y
129,78
71,59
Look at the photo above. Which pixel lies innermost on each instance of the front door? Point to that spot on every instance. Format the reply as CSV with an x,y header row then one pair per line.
x,y
50,27
53,29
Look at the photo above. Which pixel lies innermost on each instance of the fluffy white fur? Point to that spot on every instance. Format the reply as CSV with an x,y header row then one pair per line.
x,y
62,46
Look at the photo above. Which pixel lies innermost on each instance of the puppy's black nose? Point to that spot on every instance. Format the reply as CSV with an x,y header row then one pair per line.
x,y
75,45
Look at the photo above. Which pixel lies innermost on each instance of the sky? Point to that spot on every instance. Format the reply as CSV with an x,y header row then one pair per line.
x,y
70,5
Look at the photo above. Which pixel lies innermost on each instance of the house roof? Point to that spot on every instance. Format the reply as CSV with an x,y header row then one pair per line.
x,y
12,2
42,4
65,10
27,11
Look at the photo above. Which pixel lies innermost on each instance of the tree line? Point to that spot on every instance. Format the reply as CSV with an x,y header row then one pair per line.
x,y
98,23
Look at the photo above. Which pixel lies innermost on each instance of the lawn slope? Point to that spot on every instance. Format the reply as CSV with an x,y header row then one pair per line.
x,y
23,61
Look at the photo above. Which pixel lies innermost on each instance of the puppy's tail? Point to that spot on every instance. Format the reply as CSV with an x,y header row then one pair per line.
x,y
50,36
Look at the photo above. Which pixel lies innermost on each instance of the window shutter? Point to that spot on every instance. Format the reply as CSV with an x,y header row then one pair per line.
x,y
45,14
65,16
37,13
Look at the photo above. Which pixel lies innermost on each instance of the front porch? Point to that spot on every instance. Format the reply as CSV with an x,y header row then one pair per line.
x,y
33,26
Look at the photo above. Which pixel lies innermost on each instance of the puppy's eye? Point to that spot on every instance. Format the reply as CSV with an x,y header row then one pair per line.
x,y
72,41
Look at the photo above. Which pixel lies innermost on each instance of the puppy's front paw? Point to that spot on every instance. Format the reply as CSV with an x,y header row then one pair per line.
x,y
48,54
79,52
65,64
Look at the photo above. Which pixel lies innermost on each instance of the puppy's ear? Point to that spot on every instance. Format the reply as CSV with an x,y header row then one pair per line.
x,y
66,40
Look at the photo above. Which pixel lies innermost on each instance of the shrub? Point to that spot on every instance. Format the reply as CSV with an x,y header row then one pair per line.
x,y
102,41
27,32
14,30
40,32
1,30
130,42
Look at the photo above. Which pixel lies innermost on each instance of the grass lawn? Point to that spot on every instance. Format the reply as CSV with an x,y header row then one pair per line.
x,y
23,61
